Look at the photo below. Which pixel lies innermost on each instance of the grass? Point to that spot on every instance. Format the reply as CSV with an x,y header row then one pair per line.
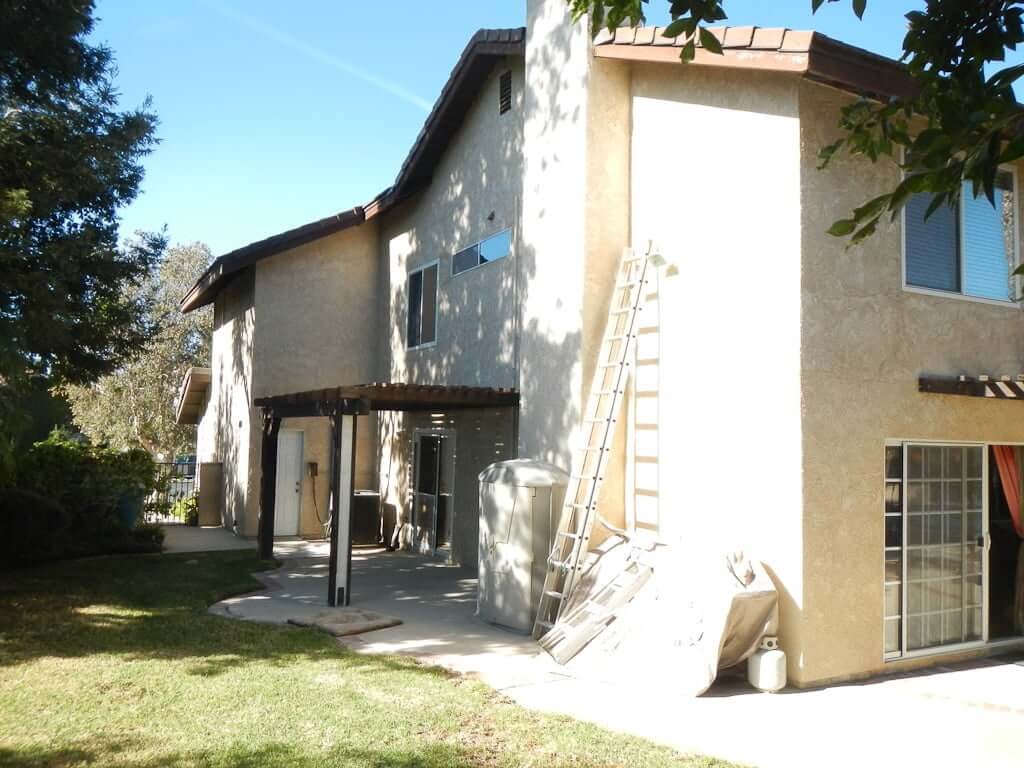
x,y
115,661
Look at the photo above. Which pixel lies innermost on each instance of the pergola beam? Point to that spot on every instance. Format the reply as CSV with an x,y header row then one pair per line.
x,y
1003,388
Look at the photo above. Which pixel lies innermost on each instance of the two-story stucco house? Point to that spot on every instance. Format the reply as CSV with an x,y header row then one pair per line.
x,y
805,404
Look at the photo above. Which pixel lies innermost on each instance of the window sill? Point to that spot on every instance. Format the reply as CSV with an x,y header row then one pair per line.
x,y
962,297
419,347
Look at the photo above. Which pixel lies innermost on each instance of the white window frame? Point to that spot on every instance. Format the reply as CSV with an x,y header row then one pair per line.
x,y
408,305
961,296
477,244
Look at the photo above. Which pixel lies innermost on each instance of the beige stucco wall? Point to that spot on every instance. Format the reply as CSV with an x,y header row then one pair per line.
x,y
316,307
228,422
475,192
576,223
726,383
865,341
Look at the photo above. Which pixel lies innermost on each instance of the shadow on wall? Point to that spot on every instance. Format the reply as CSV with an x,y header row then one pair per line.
x,y
234,321
482,333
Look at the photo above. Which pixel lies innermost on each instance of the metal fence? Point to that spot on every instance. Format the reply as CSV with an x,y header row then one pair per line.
x,y
174,500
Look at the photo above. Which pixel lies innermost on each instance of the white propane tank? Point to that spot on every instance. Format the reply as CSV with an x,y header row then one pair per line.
x,y
766,670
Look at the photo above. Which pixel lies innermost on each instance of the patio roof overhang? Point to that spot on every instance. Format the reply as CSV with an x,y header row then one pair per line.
x,y
343,405
385,396
994,388
192,395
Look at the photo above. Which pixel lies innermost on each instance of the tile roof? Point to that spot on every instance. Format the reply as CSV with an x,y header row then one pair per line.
x,y
462,87
811,54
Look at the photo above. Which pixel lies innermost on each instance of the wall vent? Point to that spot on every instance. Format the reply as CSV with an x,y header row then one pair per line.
x,y
505,93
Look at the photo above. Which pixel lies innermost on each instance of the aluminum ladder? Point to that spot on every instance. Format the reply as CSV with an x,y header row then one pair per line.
x,y
579,510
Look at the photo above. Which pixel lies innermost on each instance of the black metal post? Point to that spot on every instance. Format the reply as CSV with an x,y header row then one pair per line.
x,y
268,484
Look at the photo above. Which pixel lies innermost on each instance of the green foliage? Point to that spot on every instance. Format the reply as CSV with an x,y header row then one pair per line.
x,y
69,160
955,125
134,405
187,510
86,484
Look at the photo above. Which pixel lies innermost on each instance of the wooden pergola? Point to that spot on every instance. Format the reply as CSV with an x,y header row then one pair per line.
x,y
992,387
343,405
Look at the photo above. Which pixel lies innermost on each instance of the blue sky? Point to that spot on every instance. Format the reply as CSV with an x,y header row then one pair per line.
x,y
276,114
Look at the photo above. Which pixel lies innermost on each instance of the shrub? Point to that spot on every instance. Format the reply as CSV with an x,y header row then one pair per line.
x,y
33,528
87,484
187,510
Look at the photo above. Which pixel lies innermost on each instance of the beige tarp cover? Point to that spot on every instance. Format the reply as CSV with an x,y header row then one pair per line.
x,y
697,614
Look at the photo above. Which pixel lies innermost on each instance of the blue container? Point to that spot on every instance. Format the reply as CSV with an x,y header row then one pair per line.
x,y
129,507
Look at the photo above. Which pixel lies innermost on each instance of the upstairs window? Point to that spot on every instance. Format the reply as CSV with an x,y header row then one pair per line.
x,y
493,248
421,325
505,93
970,250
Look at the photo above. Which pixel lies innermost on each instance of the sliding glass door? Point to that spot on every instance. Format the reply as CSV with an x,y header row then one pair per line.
x,y
936,524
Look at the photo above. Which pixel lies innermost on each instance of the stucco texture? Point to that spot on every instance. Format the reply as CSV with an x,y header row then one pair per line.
x,y
865,341
723,392
481,437
475,192
225,433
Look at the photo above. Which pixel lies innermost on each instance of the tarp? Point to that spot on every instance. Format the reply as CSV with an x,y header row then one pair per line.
x,y
693,617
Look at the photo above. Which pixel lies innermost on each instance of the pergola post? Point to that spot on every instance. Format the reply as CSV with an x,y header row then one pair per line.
x,y
343,440
268,483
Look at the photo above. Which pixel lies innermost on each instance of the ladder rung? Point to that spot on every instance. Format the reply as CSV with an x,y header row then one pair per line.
x,y
568,535
613,365
606,392
629,284
624,311
554,595
545,624
620,337
592,449
605,420
588,478
581,506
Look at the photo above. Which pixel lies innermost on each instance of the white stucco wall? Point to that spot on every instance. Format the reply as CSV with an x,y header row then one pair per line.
x,y
727,382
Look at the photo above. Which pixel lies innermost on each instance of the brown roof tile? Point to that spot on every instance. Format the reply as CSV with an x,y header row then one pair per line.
x,y
803,52
625,36
738,37
797,41
768,38
659,37
644,36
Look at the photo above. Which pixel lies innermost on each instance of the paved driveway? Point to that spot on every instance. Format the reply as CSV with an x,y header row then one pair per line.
x,y
968,715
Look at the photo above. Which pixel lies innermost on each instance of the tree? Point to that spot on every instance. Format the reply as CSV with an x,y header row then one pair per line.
x,y
69,159
133,407
958,127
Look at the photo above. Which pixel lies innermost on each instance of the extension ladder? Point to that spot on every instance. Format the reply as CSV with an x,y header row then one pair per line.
x,y
579,510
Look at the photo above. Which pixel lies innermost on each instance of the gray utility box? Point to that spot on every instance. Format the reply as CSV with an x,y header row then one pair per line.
x,y
520,502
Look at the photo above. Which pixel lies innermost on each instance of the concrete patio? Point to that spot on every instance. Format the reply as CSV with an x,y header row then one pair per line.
x,y
970,714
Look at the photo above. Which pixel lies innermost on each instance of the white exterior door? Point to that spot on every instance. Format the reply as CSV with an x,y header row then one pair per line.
x,y
288,502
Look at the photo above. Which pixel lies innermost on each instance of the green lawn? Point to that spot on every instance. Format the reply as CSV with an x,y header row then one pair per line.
x,y
114,661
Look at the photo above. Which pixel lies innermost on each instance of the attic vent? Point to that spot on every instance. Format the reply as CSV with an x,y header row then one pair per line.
x,y
505,93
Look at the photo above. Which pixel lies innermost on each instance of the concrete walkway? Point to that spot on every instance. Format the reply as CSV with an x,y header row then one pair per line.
x,y
187,538
965,715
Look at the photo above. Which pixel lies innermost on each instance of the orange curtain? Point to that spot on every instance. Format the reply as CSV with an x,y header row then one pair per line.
x,y
1009,475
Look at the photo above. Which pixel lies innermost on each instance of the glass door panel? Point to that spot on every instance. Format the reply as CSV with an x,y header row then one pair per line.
x,y
944,545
